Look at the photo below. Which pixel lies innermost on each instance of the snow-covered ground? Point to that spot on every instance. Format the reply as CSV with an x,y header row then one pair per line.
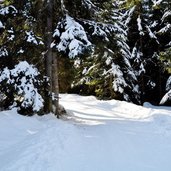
x,y
96,136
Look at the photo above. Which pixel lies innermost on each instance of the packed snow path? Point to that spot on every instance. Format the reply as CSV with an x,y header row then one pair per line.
x,y
96,136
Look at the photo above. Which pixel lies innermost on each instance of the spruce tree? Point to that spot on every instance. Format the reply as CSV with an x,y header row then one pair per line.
x,y
107,72
19,42
144,22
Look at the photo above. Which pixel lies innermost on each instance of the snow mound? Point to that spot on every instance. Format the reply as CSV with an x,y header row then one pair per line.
x,y
99,111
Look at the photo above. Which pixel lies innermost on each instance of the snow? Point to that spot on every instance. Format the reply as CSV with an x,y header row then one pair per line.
x,y
20,51
9,9
130,14
73,38
89,4
154,24
166,97
96,136
24,84
166,15
139,24
168,84
119,81
11,34
108,60
156,3
169,44
62,5
32,38
151,34
3,52
99,31
165,29
1,25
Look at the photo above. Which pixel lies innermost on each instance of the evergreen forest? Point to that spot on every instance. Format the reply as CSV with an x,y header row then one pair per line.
x,y
112,49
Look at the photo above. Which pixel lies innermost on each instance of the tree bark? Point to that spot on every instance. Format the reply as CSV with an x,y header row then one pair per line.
x,y
48,57
55,85
51,65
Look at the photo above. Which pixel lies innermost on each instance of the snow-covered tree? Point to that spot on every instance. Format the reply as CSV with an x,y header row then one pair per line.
x,y
70,37
112,48
19,41
143,21
107,71
20,87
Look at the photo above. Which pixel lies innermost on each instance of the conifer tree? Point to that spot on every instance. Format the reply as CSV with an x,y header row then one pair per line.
x,y
19,42
143,22
107,72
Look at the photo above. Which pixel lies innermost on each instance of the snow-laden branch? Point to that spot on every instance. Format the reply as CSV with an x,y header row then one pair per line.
x,y
21,82
70,37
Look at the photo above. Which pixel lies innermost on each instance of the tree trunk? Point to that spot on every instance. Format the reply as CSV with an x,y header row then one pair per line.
x,y
51,66
55,85
48,57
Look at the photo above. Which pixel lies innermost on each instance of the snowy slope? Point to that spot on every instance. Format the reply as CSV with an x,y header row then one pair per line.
x,y
96,136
